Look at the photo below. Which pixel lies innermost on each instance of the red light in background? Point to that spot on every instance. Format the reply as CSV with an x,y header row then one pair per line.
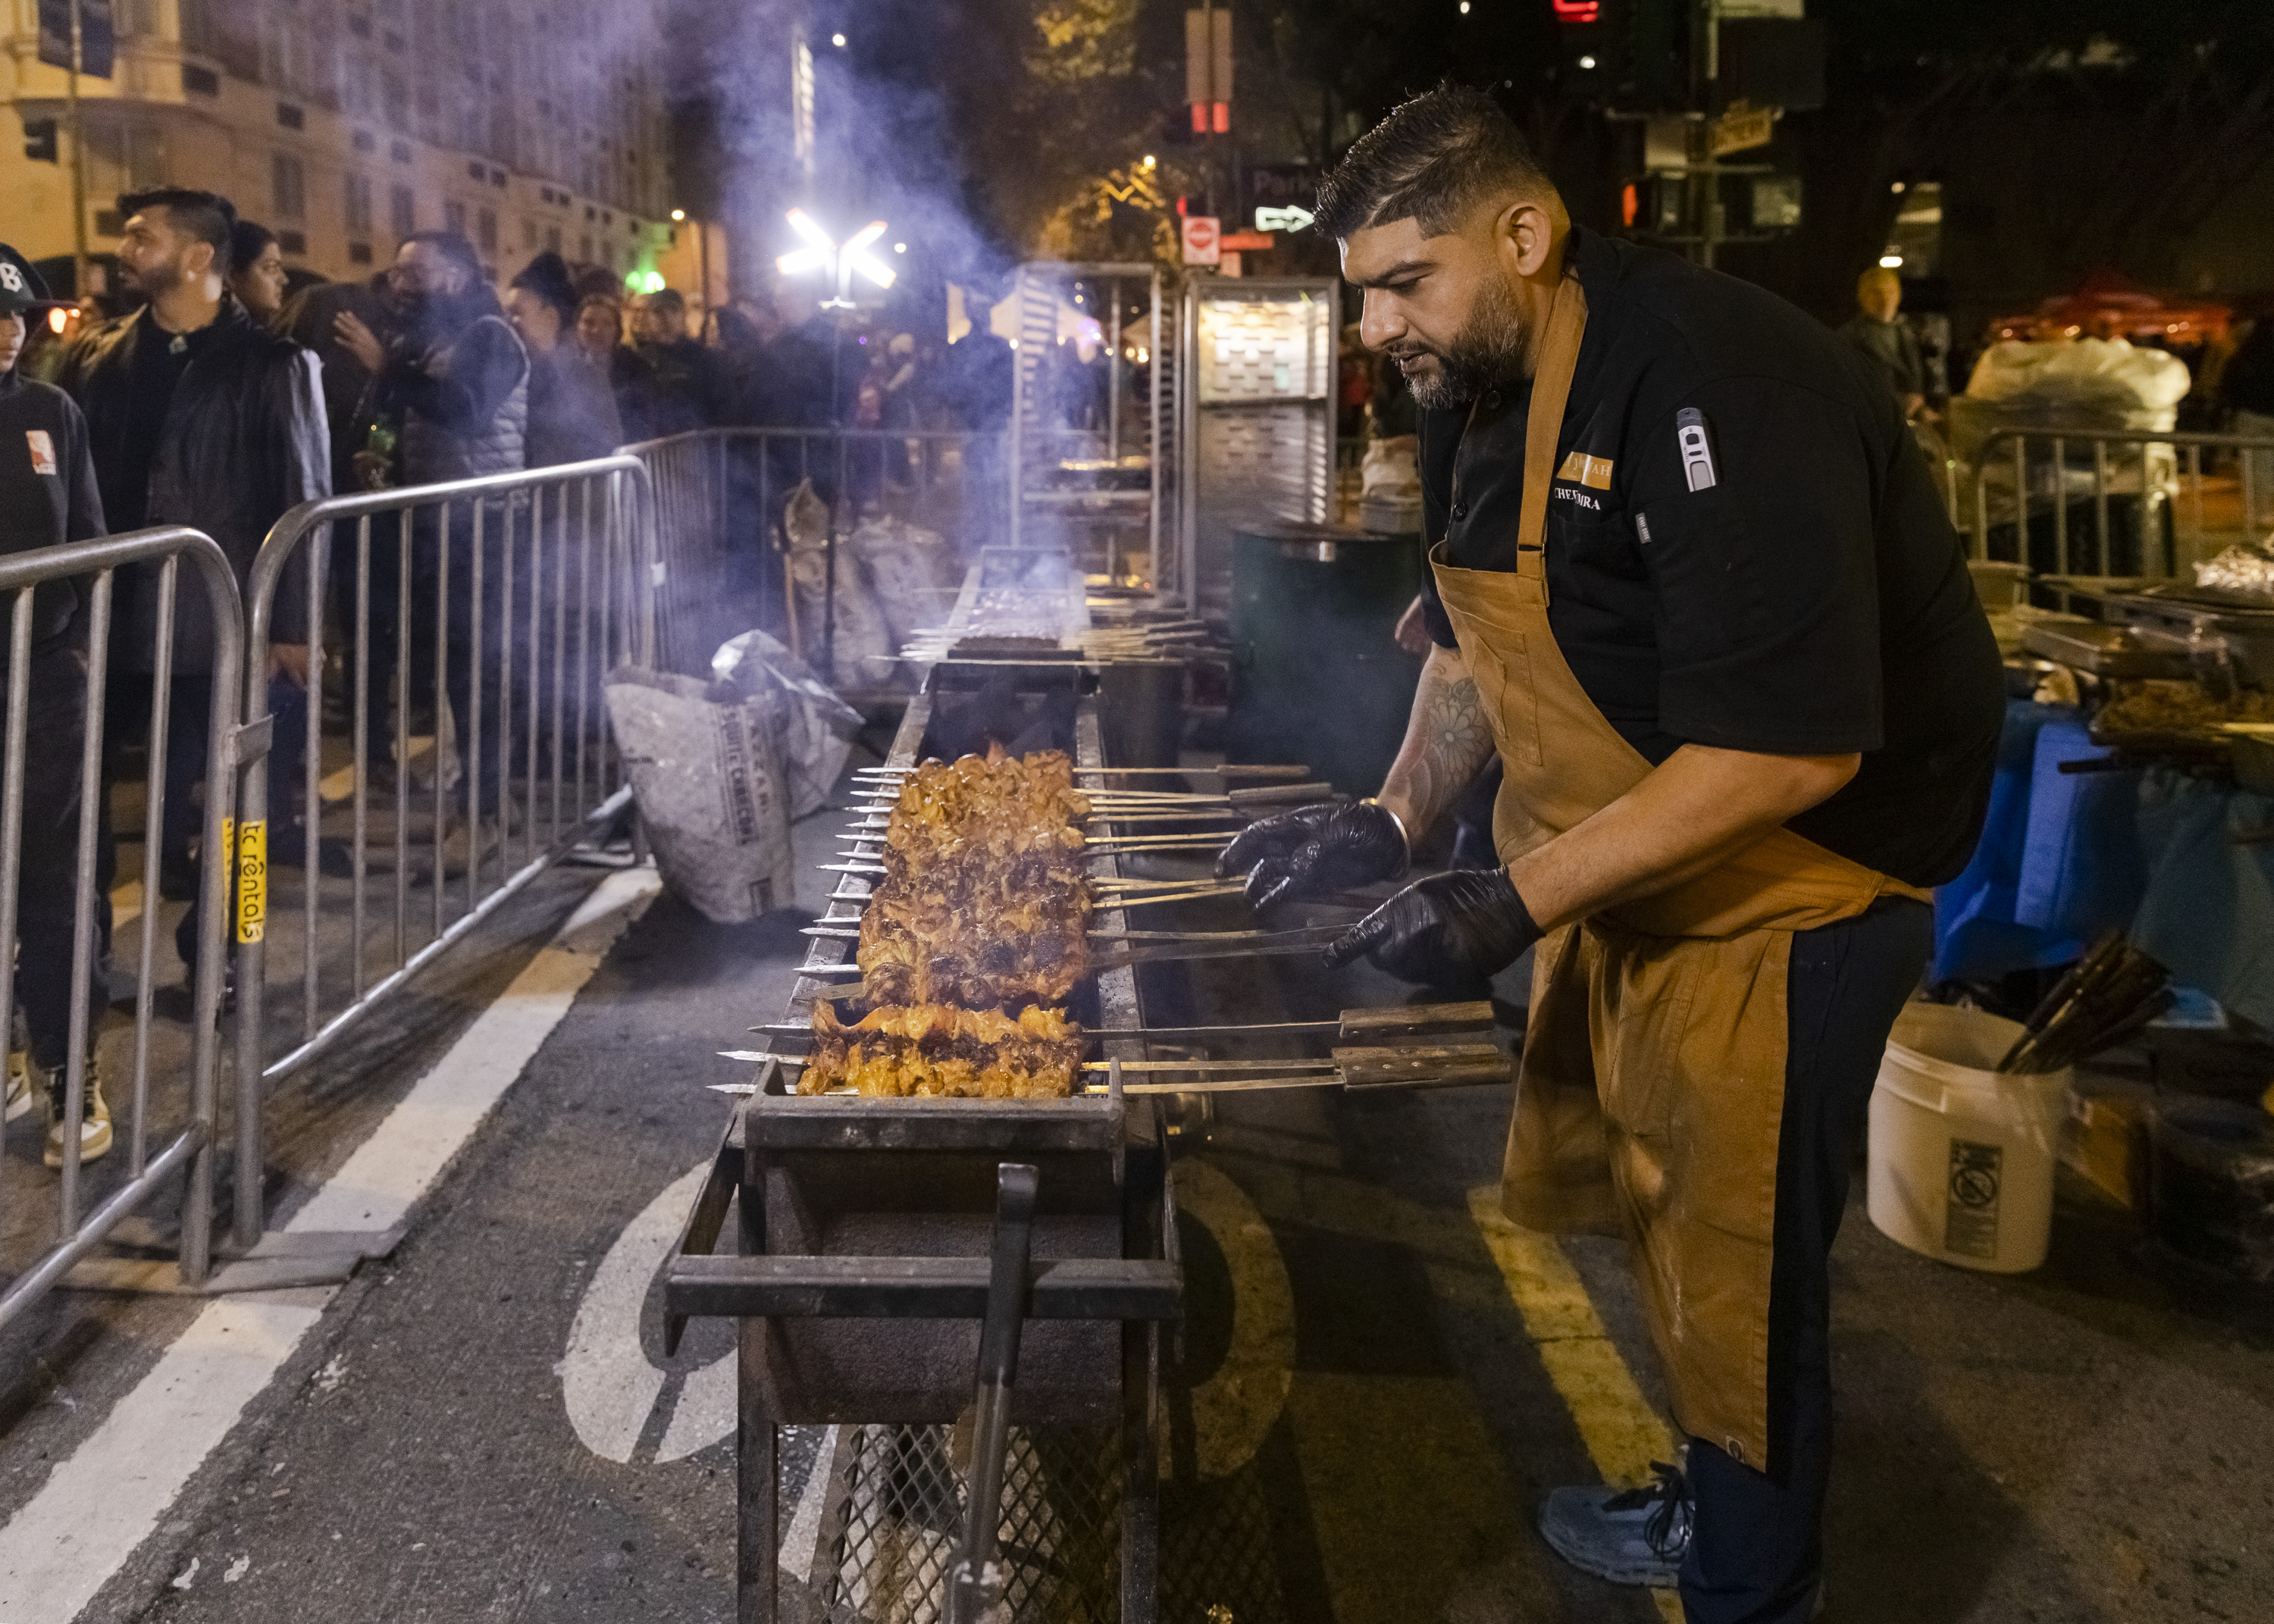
x,y
1200,118
1577,11
1630,204
1223,118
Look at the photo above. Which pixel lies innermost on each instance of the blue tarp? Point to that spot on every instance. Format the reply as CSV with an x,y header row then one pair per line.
x,y
2185,866
2059,858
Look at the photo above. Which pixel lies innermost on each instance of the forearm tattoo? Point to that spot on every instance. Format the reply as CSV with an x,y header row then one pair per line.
x,y
1447,741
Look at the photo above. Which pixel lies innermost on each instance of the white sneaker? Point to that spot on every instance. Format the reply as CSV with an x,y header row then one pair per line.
x,y
19,1084
94,1121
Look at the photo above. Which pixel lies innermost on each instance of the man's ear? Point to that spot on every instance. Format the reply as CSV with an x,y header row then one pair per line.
x,y
198,259
1524,236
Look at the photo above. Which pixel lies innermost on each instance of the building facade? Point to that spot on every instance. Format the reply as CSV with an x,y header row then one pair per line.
x,y
343,126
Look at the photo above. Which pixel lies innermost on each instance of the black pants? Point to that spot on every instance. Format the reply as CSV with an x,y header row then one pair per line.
x,y
1757,1554
53,742
412,625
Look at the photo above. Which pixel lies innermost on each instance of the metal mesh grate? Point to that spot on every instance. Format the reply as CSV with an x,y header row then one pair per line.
x,y
1218,1562
901,1506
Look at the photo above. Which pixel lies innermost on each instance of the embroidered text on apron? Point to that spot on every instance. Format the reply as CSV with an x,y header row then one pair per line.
x,y
1651,1087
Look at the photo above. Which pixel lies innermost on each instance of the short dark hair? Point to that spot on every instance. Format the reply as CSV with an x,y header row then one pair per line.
x,y
668,301
453,246
248,240
206,215
1431,161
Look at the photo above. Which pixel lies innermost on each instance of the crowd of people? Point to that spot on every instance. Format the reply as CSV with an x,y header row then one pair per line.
x,y
205,390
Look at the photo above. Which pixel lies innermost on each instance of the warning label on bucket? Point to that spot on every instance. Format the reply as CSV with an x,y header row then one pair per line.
x,y
1970,1226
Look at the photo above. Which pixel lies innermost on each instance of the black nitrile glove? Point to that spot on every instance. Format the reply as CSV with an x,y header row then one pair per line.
x,y
1315,848
1446,930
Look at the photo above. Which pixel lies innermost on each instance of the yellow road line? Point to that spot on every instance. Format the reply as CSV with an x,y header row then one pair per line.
x,y
1623,1432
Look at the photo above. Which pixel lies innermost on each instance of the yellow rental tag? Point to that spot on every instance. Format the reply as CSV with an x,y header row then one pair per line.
x,y
252,881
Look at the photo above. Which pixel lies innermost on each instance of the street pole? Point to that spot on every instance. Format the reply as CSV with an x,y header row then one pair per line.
x,y
77,167
1705,172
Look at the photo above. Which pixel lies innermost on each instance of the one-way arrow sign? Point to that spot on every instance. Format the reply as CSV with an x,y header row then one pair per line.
x,y
1289,219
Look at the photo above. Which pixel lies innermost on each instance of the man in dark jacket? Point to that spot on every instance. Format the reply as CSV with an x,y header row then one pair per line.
x,y
686,388
48,498
199,416
454,385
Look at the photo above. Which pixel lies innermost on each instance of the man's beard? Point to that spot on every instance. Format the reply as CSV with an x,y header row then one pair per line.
x,y
1486,353
154,281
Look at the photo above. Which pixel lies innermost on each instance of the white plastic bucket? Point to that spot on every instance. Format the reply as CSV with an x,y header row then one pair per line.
x,y
1961,1159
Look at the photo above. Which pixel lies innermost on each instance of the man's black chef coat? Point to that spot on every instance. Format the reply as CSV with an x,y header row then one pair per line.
x,y
1815,601
47,495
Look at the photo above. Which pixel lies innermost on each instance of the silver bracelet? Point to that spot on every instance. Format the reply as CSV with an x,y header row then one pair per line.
x,y
1406,863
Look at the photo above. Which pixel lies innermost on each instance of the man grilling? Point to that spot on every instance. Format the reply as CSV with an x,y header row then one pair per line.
x,y
1694,586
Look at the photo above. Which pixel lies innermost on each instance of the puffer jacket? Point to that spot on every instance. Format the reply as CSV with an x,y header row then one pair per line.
x,y
244,442
457,380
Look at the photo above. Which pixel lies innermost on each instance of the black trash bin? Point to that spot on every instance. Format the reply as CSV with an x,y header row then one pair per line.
x,y
1317,678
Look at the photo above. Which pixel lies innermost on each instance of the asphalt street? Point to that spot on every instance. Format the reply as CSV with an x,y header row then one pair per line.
x,y
1376,1382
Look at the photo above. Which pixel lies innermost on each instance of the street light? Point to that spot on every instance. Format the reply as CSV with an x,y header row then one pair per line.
x,y
840,259
679,214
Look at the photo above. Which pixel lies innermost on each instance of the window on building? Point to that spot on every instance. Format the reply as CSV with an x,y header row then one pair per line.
x,y
292,116
528,233
359,254
287,186
454,216
552,239
127,157
358,204
395,99
401,212
486,230
365,141
200,82
292,242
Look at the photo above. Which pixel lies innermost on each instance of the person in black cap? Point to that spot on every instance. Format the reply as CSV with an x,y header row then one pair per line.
x,y
572,411
48,497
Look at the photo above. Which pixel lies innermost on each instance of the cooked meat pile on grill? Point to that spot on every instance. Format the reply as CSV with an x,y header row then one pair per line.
x,y
932,1049
983,904
983,908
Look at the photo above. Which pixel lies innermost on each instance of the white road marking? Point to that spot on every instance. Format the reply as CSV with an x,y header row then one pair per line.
x,y
608,1381
800,1545
394,1167
100,1503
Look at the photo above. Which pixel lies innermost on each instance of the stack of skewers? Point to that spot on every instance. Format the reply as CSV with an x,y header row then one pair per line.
x,y
975,924
2108,996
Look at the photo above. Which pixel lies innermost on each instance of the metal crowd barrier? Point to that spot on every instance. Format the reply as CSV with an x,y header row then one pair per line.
x,y
534,585
186,1130
2128,502
720,495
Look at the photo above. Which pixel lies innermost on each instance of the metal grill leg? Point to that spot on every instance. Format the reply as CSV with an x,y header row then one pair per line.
x,y
757,1533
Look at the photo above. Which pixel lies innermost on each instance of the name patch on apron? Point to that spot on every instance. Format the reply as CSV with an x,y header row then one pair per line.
x,y
44,450
1581,469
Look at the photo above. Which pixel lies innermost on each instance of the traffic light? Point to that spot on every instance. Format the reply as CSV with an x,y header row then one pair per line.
x,y
1625,54
39,140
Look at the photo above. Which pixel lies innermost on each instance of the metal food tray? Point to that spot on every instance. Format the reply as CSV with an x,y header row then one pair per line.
x,y
2101,649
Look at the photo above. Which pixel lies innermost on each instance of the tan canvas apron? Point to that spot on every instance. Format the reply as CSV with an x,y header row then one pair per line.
x,y
1652,1083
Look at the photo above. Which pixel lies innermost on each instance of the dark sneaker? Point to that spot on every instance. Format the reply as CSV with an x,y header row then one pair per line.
x,y
1627,1536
